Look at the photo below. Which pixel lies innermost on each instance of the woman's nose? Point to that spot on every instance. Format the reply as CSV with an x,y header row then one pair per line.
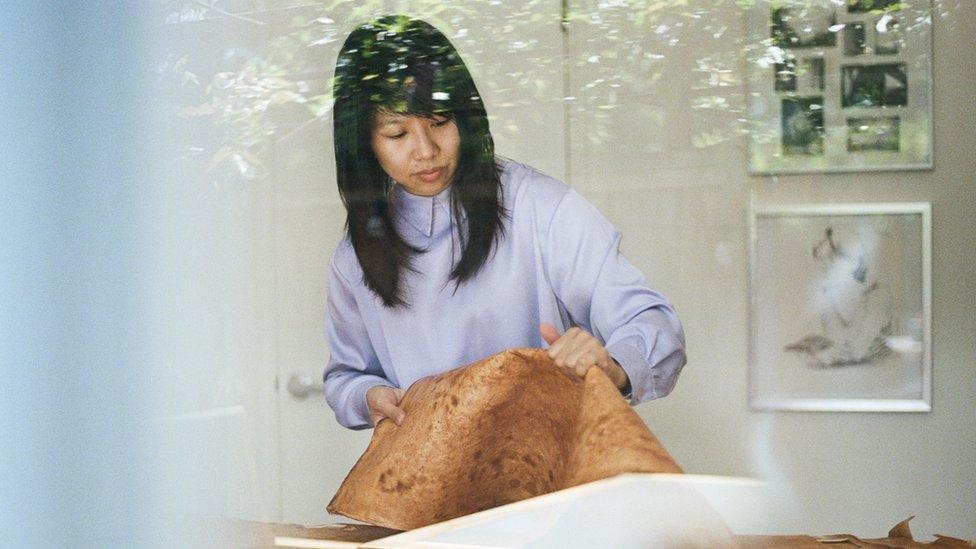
x,y
425,146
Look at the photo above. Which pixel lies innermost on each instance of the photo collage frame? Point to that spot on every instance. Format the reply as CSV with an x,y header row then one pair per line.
x,y
840,85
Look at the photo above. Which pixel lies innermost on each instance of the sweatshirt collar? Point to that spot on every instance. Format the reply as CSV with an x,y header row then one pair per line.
x,y
421,211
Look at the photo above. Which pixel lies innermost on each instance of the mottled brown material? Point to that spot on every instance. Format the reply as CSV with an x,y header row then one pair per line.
x,y
899,537
218,532
506,428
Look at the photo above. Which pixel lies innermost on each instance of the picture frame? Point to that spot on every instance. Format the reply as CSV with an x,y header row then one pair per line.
x,y
840,308
839,86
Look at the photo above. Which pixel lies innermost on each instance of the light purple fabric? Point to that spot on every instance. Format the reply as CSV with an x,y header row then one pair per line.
x,y
558,262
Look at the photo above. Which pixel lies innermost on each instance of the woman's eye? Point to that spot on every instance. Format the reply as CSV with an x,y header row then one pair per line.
x,y
397,136
439,123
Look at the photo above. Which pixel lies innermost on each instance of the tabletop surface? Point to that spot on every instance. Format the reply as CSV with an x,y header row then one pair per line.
x,y
224,532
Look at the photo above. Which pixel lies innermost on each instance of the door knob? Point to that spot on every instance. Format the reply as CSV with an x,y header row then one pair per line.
x,y
300,385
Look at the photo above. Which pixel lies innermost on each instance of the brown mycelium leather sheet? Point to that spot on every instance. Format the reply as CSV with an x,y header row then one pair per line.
x,y
500,430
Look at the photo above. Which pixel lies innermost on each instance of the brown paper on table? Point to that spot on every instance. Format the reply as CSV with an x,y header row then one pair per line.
x,y
500,430
899,537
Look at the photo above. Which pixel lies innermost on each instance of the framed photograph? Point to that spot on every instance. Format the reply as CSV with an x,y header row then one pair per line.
x,y
840,308
840,86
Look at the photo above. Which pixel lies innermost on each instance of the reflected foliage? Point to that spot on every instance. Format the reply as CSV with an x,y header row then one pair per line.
x,y
237,75
403,67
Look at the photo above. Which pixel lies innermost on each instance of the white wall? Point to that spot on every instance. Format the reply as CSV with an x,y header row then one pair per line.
x,y
683,211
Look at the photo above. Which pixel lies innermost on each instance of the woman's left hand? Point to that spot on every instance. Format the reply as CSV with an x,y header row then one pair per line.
x,y
577,350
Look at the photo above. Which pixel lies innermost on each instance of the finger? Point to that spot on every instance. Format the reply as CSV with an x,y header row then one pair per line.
x,y
549,333
399,415
578,348
583,352
569,353
392,411
607,364
386,405
557,348
560,351
581,360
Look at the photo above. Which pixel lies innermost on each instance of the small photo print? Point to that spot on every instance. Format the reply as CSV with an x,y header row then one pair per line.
x,y
803,126
874,85
888,37
784,78
873,134
860,6
811,74
854,41
803,25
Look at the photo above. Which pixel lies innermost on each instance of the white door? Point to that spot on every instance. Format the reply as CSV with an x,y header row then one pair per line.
x,y
514,52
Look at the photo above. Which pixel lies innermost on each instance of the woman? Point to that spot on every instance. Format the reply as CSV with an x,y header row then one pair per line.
x,y
452,255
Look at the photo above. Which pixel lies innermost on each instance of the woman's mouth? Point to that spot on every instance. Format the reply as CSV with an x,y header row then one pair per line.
x,y
429,176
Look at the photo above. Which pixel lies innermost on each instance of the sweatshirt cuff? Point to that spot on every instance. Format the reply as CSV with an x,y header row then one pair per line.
x,y
634,365
359,417
647,381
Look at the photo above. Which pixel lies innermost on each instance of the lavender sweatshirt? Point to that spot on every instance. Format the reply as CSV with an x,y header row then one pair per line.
x,y
558,262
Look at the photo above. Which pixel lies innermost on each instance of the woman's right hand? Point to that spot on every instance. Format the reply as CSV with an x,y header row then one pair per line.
x,y
384,401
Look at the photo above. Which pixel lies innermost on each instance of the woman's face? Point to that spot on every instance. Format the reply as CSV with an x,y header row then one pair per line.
x,y
420,154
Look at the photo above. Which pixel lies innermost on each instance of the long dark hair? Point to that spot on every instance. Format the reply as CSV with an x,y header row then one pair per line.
x,y
406,66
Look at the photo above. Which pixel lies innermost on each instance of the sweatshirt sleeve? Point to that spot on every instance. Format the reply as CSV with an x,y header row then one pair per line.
x,y
610,298
353,365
